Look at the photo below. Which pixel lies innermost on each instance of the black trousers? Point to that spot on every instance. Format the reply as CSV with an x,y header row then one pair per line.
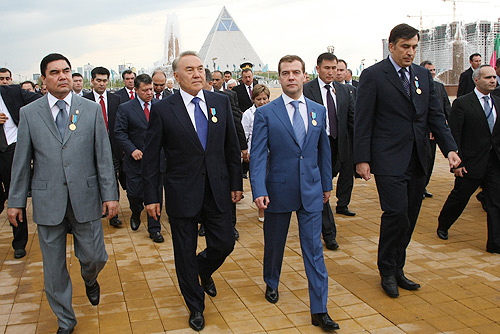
x,y
20,232
463,190
400,200
430,160
220,243
135,195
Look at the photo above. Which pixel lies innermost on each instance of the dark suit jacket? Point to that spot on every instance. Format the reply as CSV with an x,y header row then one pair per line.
x,y
113,102
15,97
188,165
237,115
244,100
345,113
465,83
387,123
123,94
442,95
496,92
355,83
471,132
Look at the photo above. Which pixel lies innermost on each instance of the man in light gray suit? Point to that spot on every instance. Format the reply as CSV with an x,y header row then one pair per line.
x,y
73,183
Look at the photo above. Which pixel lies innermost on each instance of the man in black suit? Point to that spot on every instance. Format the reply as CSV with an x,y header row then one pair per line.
x,y
5,76
77,83
395,107
109,105
12,98
127,93
350,80
244,90
159,81
340,114
131,126
466,83
203,176
474,124
227,76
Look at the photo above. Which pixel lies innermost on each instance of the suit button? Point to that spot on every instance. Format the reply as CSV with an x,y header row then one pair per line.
x,y
65,183
64,147
301,157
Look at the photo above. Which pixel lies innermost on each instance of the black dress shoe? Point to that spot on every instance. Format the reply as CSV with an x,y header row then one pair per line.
x,y
405,283
390,286
324,321
135,222
236,234
331,244
157,237
208,285
427,194
93,293
64,330
19,253
442,234
493,250
115,222
272,295
343,210
196,321
201,231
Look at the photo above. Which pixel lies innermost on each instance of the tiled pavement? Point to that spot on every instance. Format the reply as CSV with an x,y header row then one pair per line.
x,y
459,294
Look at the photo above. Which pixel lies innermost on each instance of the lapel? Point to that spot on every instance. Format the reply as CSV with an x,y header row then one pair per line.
x,y
311,128
316,91
279,109
47,117
393,77
478,109
496,103
180,112
136,105
211,102
76,103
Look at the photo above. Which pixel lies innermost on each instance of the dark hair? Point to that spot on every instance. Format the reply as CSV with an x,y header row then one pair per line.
x,y
497,64
208,75
425,62
28,82
127,72
471,58
228,72
3,70
50,58
218,72
289,59
402,31
76,74
326,56
342,61
348,70
99,70
142,78
246,70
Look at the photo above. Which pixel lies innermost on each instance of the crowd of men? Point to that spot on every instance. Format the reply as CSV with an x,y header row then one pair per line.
x,y
71,151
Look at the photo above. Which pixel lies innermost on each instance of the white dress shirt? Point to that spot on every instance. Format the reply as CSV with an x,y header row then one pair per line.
x,y
291,109
490,102
324,91
97,98
9,127
186,97
247,123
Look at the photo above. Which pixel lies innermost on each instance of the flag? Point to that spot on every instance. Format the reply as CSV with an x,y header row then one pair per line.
x,y
496,52
265,68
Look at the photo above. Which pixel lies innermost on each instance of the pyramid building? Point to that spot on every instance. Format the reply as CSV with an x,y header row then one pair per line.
x,y
226,47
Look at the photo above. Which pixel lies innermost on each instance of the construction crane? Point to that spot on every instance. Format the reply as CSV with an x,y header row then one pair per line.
x,y
455,6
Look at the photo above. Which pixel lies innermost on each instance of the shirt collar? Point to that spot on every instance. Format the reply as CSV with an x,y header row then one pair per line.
x,y
97,95
322,83
396,66
480,95
287,99
142,102
53,100
186,97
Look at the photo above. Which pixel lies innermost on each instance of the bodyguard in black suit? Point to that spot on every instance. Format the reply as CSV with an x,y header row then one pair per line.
x,y
465,82
339,126
202,178
395,106
474,124
127,93
12,98
244,90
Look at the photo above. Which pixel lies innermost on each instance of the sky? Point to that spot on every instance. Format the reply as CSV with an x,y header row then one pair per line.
x,y
112,32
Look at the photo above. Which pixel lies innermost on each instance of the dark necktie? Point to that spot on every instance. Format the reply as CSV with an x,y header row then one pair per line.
x,y
201,122
298,124
404,80
103,107
61,118
489,113
332,113
158,96
146,111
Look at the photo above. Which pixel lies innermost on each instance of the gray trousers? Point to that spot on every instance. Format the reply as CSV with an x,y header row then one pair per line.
x,y
90,251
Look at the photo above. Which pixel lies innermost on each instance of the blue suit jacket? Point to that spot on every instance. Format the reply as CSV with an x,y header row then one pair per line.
x,y
294,177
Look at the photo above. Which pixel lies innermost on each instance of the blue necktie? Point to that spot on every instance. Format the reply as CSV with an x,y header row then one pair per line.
x,y
61,118
201,122
404,79
298,124
489,113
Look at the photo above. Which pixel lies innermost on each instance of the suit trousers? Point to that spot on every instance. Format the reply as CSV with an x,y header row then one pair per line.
x,y
20,232
329,229
430,160
463,190
400,199
90,250
220,243
135,195
275,233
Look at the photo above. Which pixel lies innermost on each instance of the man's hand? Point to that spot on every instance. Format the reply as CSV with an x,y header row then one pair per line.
x,y
326,196
3,118
153,210
245,155
111,207
262,202
137,155
236,196
454,159
14,214
460,172
363,169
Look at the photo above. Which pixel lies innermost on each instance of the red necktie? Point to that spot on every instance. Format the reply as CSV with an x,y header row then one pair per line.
x,y
131,94
158,96
146,111
103,107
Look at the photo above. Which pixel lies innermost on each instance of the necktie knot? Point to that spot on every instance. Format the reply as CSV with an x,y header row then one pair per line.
x,y
196,100
328,87
295,104
486,99
61,105
101,97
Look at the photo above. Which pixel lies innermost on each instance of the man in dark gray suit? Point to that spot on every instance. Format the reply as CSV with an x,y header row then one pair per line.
x,y
73,184
159,81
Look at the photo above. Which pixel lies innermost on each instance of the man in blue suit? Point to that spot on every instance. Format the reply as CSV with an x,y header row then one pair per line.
x,y
290,168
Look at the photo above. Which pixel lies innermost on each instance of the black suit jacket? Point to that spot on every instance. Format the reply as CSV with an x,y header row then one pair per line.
x,y
471,132
123,94
442,95
15,97
496,92
388,123
244,100
345,113
466,83
355,83
237,115
188,165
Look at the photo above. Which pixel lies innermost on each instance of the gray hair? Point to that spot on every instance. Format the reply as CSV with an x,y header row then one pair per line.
x,y
477,72
170,80
231,81
183,54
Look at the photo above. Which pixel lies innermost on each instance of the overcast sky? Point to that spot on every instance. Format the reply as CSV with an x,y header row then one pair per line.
x,y
114,32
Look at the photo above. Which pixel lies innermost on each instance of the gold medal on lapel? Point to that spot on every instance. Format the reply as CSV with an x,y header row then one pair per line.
x,y
72,127
418,91
77,112
214,119
314,122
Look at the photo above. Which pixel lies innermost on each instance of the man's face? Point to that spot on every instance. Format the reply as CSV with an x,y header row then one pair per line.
x,y
128,80
431,69
348,76
77,84
5,78
327,70
159,81
58,78
476,62
488,80
403,52
217,80
170,85
27,86
231,86
100,83
341,70
292,78
145,92
247,78
190,74
227,77
43,90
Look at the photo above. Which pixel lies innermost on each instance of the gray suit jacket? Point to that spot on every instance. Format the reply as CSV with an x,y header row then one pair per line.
x,y
78,168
